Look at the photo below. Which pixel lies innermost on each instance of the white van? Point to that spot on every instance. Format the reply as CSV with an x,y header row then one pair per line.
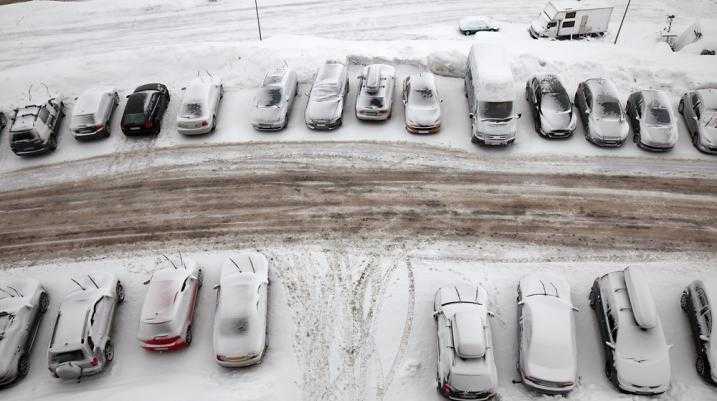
x,y
567,19
490,94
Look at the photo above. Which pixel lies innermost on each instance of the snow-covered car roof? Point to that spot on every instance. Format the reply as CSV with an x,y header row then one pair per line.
x,y
423,80
27,115
276,76
493,78
641,301
461,293
709,97
89,101
656,98
545,284
330,73
579,5
477,23
468,335
602,87
160,304
16,292
77,305
550,83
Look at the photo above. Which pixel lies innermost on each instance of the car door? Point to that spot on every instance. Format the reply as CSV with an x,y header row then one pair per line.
x,y
101,322
444,340
694,118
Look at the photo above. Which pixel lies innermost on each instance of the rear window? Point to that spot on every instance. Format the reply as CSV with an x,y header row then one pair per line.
x,y
608,107
6,320
135,118
23,136
192,110
236,325
270,96
69,356
137,103
658,116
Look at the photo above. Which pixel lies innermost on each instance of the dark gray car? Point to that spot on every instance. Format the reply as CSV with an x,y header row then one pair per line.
x,y
324,110
699,109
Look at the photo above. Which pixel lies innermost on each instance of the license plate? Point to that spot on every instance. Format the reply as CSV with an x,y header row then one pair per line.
x,y
134,128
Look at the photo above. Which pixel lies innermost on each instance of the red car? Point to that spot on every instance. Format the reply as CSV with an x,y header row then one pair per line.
x,y
168,309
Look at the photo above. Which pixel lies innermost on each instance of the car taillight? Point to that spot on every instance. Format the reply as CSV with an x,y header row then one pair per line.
x,y
205,123
148,124
221,358
94,361
99,126
446,389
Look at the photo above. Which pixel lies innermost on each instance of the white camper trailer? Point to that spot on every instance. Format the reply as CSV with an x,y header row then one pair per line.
x,y
567,19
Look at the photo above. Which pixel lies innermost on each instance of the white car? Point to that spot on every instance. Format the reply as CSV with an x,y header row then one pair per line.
x,y
422,104
197,114
275,99
325,107
241,310
466,364
548,354
168,309
637,355
602,114
92,114
697,301
650,115
23,301
471,25
375,94
81,342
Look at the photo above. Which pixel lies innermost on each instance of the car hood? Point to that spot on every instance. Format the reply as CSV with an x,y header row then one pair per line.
x,y
268,114
422,116
709,135
609,129
654,372
556,121
555,374
326,110
666,135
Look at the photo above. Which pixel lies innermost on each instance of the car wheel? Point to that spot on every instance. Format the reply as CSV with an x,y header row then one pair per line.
x,y
52,142
44,302
119,292
592,299
214,123
700,365
681,107
23,366
188,336
683,301
109,352
610,371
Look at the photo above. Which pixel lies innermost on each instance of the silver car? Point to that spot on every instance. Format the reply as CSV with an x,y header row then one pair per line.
x,y
699,109
601,112
422,104
23,301
81,343
324,110
650,115
92,114
375,94
274,100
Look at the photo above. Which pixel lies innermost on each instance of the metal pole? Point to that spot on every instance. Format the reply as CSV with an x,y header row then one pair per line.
x,y
258,25
622,21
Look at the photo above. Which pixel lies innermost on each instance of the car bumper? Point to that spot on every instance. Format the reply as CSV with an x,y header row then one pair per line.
x,y
323,125
165,346
656,147
377,115
423,129
268,127
637,390
471,396
139,132
712,150
607,143
78,373
559,134
548,389
31,151
194,131
239,362
82,135
493,140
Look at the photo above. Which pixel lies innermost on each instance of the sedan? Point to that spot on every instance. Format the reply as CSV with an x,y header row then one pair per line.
x,y
471,25
548,354
241,310
601,113
198,113
552,109
696,302
92,114
422,104
168,310
650,115
275,99
325,107
699,109
23,302
375,94
145,109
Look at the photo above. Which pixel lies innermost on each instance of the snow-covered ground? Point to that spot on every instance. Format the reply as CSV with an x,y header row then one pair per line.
x,y
352,321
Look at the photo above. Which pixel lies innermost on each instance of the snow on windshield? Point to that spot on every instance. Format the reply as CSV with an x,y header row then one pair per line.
x,y
658,115
234,325
496,110
160,299
324,92
83,119
192,109
269,97
422,97
608,107
556,102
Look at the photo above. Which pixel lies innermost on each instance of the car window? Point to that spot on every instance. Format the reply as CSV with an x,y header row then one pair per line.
x,y
192,109
608,107
657,115
568,24
588,96
269,97
612,326
707,315
43,115
100,321
701,297
6,320
68,356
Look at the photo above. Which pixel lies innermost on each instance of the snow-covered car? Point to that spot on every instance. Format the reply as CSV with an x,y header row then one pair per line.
x,y
92,114
198,112
274,100
325,107
165,322
145,109
548,354
81,342
241,310
553,115
466,365
696,301
601,112
23,301
636,352
375,94
699,109
422,103
650,115
35,128
3,121
471,25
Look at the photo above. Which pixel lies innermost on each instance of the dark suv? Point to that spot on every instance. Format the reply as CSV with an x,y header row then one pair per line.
x,y
696,301
145,109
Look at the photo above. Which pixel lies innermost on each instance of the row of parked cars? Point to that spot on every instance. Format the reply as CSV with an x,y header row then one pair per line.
x,y
488,88
81,343
636,351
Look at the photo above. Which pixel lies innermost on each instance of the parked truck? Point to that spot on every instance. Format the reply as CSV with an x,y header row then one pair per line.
x,y
568,19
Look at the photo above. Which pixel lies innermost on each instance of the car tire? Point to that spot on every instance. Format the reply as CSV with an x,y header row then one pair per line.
x,y
44,302
52,142
23,366
214,123
683,301
681,107
109,352
188,336
119,292
701,365
592,299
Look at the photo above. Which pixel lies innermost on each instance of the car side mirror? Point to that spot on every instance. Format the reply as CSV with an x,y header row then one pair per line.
x,y
518,115
127,96
216,286
184,88
146,282
704,338
491,314
521,302
441,100
609,344
471,115
436,313
575,309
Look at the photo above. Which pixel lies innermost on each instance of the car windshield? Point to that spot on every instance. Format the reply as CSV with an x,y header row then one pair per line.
x,y
496,110
422,97
6,320
711,120
134,118
83,119
192,110
69,356
269,97
658,116
324,92
234,325
556,103
608,107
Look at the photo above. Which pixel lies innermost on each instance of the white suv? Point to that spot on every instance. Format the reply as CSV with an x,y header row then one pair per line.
x,y
466,365
35,128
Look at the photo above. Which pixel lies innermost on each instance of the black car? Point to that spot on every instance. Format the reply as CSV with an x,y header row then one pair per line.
x,y
696,302
3,121
699,110
145,109
552,109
